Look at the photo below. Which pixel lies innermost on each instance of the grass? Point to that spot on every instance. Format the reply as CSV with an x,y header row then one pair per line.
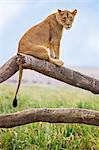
x,y
45,136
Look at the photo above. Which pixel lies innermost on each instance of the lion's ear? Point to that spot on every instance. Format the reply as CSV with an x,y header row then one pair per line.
x,y
74,12
59,11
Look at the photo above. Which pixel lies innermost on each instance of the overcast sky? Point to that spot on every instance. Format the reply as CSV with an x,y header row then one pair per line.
x,y
79,45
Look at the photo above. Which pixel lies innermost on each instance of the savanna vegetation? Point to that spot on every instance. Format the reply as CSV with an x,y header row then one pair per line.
x,y
46,136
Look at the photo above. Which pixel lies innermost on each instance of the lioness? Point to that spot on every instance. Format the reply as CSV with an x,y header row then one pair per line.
x,y
43,40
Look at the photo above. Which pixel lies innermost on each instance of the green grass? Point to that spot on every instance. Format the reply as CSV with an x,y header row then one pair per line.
x,y
45,136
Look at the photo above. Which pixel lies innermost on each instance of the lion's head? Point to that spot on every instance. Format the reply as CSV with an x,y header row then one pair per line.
x,y
65,18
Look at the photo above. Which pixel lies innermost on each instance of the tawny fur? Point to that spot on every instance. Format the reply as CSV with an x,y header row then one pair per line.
x,y
43,40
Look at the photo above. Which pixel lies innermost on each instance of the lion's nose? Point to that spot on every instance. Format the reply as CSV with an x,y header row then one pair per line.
x,y
68,25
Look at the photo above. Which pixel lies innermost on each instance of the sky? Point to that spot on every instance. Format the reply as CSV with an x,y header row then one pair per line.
x,y
79,45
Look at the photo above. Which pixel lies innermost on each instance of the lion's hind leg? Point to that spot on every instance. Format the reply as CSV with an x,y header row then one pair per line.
x,y
41,53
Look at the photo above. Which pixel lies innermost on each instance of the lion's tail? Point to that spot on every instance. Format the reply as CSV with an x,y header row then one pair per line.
x,y
18,86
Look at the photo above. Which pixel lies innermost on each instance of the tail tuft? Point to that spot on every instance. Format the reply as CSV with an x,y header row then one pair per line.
x,y
15,102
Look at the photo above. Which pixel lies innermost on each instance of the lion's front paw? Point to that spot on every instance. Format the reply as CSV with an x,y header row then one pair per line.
x,y
60,63
20,60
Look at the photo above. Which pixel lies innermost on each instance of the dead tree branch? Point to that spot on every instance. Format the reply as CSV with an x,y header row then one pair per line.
x,y
60,73
81,116
49,115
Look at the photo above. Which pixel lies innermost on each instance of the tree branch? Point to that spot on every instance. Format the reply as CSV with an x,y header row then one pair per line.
x,y
82,116
60,73
8,69
49,115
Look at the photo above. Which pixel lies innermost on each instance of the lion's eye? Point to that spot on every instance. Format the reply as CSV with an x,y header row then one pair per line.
x,y
64,18
71,18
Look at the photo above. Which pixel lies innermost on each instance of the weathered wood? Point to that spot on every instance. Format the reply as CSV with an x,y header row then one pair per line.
x,y
60,73
49,115
81,116
8,69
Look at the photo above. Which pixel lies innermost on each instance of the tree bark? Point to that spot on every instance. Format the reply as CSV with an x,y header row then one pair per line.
x,y
60,73
49,115
81,116
8,69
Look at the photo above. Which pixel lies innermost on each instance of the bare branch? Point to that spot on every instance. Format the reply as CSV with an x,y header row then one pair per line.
x,y
82,116
49,115
60,73
8,69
